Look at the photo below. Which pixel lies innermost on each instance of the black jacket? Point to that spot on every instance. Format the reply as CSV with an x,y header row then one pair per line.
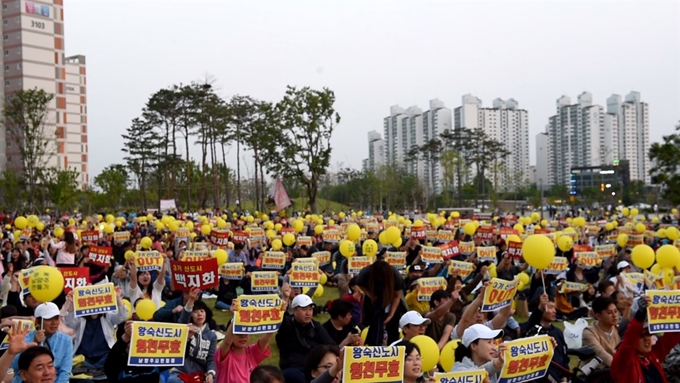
x,y
295,341
117,370
560,356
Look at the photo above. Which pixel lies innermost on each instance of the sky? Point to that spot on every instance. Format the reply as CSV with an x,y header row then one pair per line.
x,y
374,54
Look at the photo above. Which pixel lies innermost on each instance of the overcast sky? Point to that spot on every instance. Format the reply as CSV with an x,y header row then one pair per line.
x,y
375,54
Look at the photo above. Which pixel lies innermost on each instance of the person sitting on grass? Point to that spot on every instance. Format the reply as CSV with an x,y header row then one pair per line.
x,y
236,360
340,325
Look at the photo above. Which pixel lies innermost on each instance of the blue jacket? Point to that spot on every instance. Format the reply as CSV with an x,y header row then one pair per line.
x,y
62,349
200,354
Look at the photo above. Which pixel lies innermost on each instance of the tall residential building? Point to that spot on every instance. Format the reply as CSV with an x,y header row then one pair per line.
x,y
33,46
630,133
376,151
543,174
505,122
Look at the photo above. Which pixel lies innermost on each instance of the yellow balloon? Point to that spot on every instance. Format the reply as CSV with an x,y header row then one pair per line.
x,y
392,234
145,309
347,248
20,223
640,228
397,244
146,243
418,223
382,238
668,275
492,270
341,215
656,269
189,225
655,220
544,223
625,211
173,226
354,232
128,306
270,234
364,333
221,256
129,254
519,228
46,283
609,226
513,238
323,278
429,351
661,233
569,230
622,240
109,228
535,217
524,277
205,229
40,226
668,256
58,231
298,226
642,256
221,224
447,356
538,251
672,233
278,227
109,218
470,228
674,211
318,293
277,244
331,222
318,229
565,243
369,248
634,212
289,239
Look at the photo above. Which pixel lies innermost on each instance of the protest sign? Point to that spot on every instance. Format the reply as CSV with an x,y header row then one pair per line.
x,y
499,293
219,237
466,248
427,286
557,266
258,314
304,275
463,269
75,277
157,344
450,249
605,251
120,237
445,236
94,299
101,255
373,364
233,271
526,359
264,281
23,324
396,259
355,264
469,376
431,254
89,236
324,257
588,259
148,261
194,274
486,254
273,260
195,255
663,312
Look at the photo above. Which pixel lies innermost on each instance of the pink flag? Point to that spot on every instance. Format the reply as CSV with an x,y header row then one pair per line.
x,y
280,196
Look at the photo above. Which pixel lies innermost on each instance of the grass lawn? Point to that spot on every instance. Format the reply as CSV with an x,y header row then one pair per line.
x,y
330,293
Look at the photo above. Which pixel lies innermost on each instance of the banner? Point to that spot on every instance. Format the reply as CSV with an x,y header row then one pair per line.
x,y
396,259
572,287
219,237
332,236
450,249
157,344
588,259
486,254
445,236
232,271
183,232
120,237
431,235
605,251
89,236
466,248
25,234
485,233
304,275
324,257
499,293
95,299
373,364
557,266
74,277
463,269
651,280
526,359
200,274
304,241
101,255
427,286
506,231
635,279
663,311
355,264
25,276
418,232
431,254
635,239
264,281
240,237
275,260
258,314
515,249
148,261
469,376
167,205
23,324
195,255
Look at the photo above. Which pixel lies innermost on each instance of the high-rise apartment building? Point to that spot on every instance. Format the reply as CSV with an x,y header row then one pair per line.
x,y
33,57
583,135
543,169
376,151
505,122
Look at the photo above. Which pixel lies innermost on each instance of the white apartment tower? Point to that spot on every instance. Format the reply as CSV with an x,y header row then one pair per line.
x,y
505,122
543,169
630,133
376,151
394,153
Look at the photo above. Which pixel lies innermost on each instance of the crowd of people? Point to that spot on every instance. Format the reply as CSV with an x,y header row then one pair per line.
x,y
379,305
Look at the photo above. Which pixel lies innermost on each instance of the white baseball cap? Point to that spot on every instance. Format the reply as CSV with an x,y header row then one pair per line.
x,y
479,331
412,317
622,265
302,300
47,311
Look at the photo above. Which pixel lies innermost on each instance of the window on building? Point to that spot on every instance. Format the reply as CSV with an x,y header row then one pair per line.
x,y
5,21
6,67
5,37
7,83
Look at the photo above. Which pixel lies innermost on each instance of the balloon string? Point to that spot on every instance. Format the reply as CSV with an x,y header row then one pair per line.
x,y
543,280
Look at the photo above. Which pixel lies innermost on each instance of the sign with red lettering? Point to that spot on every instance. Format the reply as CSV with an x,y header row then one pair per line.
x,y
201,274
418,232
89,236
450,249
515,249
374,364
101,255
75,277
219,238
240,236
485,233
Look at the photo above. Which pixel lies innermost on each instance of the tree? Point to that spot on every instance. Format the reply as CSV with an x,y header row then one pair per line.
x,y
666,157
113,181
141,148
62,187
455,168
458,140
484,151
27,127
300,146
11,188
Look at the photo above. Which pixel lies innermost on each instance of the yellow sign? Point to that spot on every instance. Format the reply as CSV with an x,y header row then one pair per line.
x,y
23,324
588,259
233,271
195,255
324,257
652,280
304,241
373,364
396,259
635,279
486,254
427,286
148,261
572,287
526,359
445,236
94,299
663,311
635,239
264,281
157,344
469,376
468,248
499,293
332,236
463,269
355,264
273,260
121,237
557,266
304,274
605,251
258,314
431,254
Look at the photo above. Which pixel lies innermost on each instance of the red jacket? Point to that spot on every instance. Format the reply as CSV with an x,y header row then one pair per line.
x,y
627,365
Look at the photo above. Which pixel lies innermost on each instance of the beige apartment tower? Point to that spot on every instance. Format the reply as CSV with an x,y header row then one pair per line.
x,y
33,56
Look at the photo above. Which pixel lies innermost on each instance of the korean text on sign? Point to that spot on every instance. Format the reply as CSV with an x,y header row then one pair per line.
x,y
157,344
515,249
199,274
148,261
275,260
466,248
90,236
23,324
572,287
264,281
233,271
75,277
486,254
450,249
120,237
470,376
219,238
332,236
663,311
588,259
240,236
195,255
499,293
605,251
526,359
396,259
304,275
355,264
304,241
445,236
427,286
324,257
418,232
558,265
95,299
258,314
431,254
463,269
101,255
373,364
